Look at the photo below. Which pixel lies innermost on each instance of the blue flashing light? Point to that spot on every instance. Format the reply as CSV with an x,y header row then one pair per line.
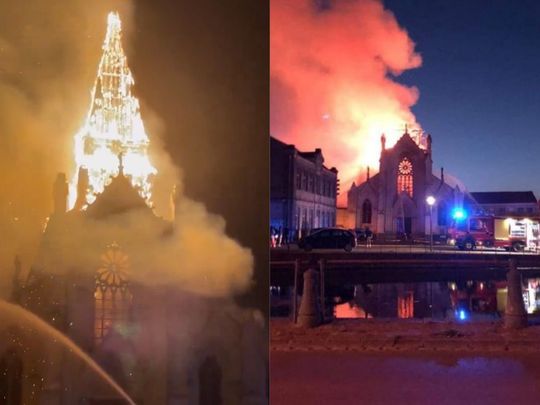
x,y
462,315
459,214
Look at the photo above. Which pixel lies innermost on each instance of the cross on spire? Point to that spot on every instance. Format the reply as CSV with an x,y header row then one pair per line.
x,y
120,164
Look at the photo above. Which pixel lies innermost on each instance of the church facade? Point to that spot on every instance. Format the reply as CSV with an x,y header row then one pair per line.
x,y
161,344
393,202
150,300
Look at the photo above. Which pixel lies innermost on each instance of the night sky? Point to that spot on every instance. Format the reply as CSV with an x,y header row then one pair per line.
x,y
479,88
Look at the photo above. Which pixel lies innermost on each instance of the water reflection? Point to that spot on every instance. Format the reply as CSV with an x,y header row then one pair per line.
x,y
531,295
454,300
461,300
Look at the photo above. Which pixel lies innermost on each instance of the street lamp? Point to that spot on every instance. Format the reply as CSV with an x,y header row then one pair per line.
x,y
430,201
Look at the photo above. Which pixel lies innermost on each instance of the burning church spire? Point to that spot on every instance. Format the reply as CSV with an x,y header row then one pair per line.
x,y
113,126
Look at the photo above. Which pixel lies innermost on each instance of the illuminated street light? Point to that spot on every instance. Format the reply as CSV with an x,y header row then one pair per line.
x,y
430,200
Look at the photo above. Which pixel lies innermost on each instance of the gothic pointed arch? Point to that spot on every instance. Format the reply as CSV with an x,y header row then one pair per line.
x,y
112,295
405,176
442,213
366,211
210,376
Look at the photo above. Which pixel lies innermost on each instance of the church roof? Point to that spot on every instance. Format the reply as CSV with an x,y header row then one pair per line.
x,y
406,142
373,183
505,197
118,196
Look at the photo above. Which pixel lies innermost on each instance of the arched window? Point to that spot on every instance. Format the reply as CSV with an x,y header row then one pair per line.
x,y
366,212
112,296
405,177
441,214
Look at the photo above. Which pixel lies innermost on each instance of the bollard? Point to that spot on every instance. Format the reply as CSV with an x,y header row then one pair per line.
x,y
309,314
515,315
295,291
322,265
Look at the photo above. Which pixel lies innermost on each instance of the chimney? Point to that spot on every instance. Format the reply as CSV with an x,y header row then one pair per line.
x,y
82,188
442,174
383,142
367,176
428,142
60,194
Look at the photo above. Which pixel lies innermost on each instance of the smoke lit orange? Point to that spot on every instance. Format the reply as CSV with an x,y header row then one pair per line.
x,y
332,80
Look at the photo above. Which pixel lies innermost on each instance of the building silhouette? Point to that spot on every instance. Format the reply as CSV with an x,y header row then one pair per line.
x,y
302,189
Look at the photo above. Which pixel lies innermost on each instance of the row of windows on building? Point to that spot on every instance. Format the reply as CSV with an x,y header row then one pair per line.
x,y
313,218
504,211
314,184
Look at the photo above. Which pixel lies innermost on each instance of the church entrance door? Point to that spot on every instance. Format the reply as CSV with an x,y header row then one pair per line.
x,y
408,225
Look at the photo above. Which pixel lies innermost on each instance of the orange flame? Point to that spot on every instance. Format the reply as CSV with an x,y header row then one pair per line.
x,y
114,126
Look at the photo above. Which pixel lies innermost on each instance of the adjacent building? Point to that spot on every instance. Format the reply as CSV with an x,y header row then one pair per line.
x,y
507,203
302,189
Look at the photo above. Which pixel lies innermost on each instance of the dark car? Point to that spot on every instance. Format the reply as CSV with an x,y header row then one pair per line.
x,y
466,242
328,238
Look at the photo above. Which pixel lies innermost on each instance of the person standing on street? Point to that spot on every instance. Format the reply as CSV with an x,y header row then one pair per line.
x,y
369,237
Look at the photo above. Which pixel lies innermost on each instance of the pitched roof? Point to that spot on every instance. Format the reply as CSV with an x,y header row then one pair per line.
x,y
312,156
504,197
117,197
279,144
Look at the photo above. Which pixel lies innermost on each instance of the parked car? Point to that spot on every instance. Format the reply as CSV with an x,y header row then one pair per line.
x,y
328,238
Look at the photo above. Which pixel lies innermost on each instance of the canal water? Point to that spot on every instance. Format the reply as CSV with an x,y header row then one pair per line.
x,y
462,300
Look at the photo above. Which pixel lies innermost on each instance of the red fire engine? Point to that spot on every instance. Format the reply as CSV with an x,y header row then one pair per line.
x,y
515,234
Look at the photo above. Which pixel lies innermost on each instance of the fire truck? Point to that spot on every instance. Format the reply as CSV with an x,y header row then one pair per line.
x,y
516,234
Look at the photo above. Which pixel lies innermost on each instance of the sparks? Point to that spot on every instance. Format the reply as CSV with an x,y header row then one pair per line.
x,y
113,129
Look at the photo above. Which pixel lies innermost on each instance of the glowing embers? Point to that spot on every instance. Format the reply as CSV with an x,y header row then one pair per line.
x,y
113,126
112,295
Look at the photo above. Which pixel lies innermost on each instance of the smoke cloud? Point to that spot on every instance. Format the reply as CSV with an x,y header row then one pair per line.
x,y
49,53
332,86
48,56
158,255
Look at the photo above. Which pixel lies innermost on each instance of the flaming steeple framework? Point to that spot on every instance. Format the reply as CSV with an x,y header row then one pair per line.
x,y
113,126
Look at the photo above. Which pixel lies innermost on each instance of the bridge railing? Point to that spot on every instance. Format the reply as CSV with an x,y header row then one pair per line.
x,y
416,248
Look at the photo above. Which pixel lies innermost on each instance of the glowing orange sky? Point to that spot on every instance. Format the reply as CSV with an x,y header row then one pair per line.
x,y
332,80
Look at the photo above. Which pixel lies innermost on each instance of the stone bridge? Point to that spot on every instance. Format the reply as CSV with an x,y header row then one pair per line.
x,y
393,267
